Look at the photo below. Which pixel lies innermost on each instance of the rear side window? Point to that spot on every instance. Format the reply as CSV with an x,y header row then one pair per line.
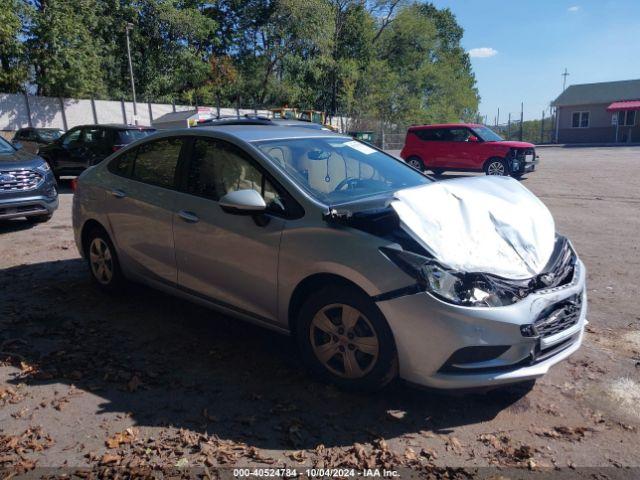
x,y
156,162
430,134
127,136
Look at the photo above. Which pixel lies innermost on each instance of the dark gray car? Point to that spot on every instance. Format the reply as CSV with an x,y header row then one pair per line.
x,y
27,186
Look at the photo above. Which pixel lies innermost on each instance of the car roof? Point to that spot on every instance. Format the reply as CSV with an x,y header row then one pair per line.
x,y
118,126
53,129
443,125
252,133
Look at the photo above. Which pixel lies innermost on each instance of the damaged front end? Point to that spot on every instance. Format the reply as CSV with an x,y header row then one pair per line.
x,y
408,251
478,289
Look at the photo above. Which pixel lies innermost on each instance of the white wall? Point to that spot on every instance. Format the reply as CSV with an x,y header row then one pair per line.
x,y
47,112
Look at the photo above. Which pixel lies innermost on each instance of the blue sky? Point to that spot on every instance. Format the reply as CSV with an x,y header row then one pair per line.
x,y
526,45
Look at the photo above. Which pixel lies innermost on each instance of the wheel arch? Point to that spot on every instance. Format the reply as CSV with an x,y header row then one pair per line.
x,y
495,157
87,228
310,284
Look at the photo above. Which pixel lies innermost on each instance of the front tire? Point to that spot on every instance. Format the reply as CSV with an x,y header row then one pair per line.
x,y
345,340
496,167
102,260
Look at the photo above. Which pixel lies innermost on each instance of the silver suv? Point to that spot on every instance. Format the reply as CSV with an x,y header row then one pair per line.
x,y
376,270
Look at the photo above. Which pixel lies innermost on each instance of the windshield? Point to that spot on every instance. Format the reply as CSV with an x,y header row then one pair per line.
x,y
49,135
487,134
5,147
337,169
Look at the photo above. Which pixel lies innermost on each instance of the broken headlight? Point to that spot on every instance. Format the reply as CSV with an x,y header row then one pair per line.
x,y
468,289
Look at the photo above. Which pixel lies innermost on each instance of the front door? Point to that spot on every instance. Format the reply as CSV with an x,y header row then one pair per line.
x,y
66,151
140,200
229,259
459,153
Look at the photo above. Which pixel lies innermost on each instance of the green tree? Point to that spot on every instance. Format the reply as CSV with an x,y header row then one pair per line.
x,y
13,62
64,52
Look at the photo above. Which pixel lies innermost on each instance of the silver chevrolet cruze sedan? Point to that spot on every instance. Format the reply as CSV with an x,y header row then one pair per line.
x,y
300,231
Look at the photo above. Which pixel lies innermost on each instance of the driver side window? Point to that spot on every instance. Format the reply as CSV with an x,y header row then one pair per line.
x,y
217,168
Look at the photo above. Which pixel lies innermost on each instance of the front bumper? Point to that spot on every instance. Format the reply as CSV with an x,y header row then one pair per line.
x,y
427,331
33,205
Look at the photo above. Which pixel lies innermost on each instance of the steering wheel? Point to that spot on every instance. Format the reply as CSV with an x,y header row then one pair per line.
x,y
349,182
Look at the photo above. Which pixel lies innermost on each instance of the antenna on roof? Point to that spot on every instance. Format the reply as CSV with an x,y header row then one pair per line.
x,y
564,79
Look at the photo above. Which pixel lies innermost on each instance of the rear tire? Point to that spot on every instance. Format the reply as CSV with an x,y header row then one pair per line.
x,y
416,163
345,340
102,261
496,167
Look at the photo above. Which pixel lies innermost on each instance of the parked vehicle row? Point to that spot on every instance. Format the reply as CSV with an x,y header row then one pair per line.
x,y
375,269
328,239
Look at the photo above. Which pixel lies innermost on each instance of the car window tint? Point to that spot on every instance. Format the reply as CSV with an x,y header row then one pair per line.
x,y
218,168
458,135
156,162
72,137
94,136
123,165
430,134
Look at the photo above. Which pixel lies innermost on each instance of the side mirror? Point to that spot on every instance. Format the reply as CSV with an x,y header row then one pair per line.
x,y
17,145
243,202
473,138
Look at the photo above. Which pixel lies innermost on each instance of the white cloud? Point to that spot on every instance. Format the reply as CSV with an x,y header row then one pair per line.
x,y
482,52
573,9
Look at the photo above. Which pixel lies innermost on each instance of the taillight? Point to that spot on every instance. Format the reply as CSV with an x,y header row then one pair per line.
x,y
73,184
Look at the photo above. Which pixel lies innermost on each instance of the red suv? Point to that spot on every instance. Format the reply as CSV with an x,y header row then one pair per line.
x,y
466,147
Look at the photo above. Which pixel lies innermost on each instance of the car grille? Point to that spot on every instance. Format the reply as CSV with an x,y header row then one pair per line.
x,y
19,180
521,153
559,317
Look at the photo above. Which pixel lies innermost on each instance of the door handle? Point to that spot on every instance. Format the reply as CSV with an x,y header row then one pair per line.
x,y
188,217
118,193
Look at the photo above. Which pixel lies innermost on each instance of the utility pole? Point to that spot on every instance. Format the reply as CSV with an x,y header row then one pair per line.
x,y
521,118
128,28
564,79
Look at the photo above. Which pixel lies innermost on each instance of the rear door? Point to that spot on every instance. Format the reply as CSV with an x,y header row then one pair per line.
x,y
432,146
141,199
229,259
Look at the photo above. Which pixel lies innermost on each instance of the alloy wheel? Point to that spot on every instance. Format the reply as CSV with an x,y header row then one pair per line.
x,y
344,341
495,168
101,261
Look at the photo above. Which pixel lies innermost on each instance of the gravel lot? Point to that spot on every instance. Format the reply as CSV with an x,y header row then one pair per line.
x,y
145,379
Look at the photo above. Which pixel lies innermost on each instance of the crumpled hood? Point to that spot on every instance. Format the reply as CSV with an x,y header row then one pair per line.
x,y
479,224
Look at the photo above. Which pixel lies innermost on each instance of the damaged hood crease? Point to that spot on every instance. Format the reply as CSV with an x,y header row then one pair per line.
x,y
487,224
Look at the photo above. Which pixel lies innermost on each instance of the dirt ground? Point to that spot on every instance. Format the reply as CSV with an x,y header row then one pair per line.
x,y
145,379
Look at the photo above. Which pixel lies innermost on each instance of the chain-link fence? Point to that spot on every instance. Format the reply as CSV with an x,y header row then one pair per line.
x,y
538,131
